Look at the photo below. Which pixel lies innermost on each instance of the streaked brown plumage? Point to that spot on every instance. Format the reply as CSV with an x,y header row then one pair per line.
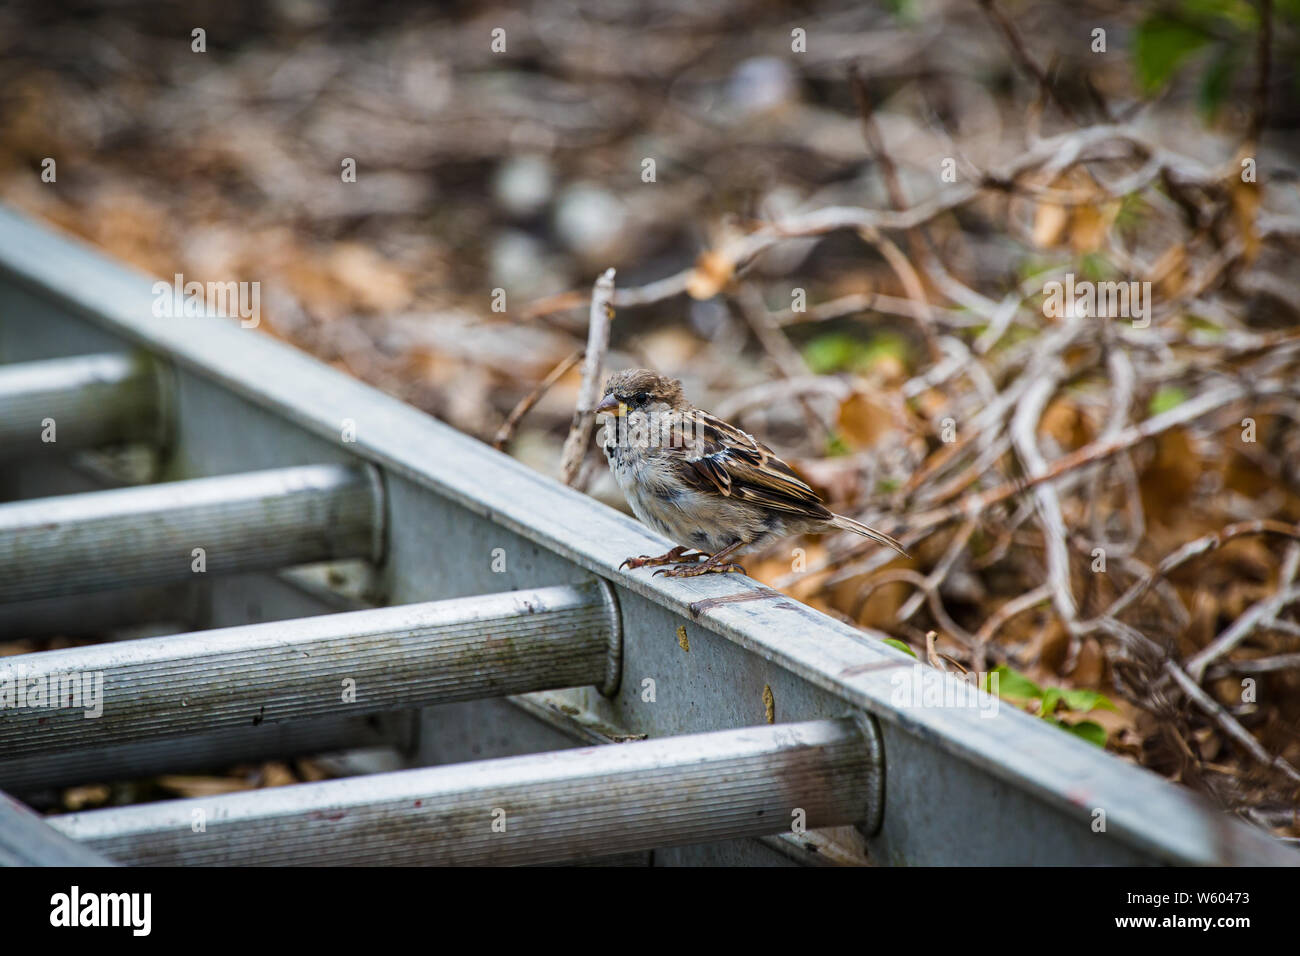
x,y
701,482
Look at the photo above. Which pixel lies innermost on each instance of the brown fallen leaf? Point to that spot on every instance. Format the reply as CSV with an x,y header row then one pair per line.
x,y
1050,221
863,420
276,774
186,785
89,795
713,270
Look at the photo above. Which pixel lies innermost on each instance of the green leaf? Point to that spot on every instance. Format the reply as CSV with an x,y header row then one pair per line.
x,y
1089,730
1217,81
904,10
831,353
1169,396
1201,324
1047,706
841,351
1238,13
1096,267
1133,208
1086,700
1160,46
895,642
1012,684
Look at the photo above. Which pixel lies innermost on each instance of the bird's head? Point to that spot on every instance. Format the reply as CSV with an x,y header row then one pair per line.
x,y
640,389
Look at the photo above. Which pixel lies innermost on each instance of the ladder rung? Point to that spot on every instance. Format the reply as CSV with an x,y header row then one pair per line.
x,y
550,807
80,402
149,534
203,752
368,661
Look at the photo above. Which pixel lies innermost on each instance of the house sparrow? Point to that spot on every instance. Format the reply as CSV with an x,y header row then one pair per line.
x,y
702,482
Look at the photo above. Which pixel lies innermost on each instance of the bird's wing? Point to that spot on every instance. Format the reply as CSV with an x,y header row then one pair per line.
x,y
721,459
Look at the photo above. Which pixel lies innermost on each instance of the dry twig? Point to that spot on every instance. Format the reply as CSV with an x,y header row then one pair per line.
x,y
526,404
584,416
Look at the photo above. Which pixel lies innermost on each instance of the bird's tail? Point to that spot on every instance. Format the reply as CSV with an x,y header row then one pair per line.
x,y
848,524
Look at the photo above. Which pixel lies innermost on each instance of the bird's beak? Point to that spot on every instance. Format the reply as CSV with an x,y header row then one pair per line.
x,y
611,404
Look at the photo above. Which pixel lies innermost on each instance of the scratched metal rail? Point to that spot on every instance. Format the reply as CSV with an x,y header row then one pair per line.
x,y
291,563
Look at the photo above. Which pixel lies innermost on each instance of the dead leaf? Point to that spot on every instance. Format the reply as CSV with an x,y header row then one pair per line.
x,y
186,785
1089,225
310,770
1090,667
1050,221
377,285
1245,199
1169,271
712,272
862,420
1066,423
277,774
90,795
1170,479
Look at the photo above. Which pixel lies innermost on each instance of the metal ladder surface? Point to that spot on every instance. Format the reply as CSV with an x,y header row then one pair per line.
x,y
336,570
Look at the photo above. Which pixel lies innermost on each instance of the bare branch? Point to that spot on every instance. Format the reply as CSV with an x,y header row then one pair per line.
x,y
1264,55
1227,723
507,429
1022,57
584,416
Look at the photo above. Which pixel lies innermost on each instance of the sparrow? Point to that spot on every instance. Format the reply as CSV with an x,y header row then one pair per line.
x,y
702,482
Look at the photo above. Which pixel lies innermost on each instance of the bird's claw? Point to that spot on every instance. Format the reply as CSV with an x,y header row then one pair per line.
x,y
675,556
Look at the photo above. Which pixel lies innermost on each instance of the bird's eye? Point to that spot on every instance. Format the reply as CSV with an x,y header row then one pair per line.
x,y
640,398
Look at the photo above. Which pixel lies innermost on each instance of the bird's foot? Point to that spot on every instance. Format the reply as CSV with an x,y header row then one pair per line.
x,y
690,571
675,556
